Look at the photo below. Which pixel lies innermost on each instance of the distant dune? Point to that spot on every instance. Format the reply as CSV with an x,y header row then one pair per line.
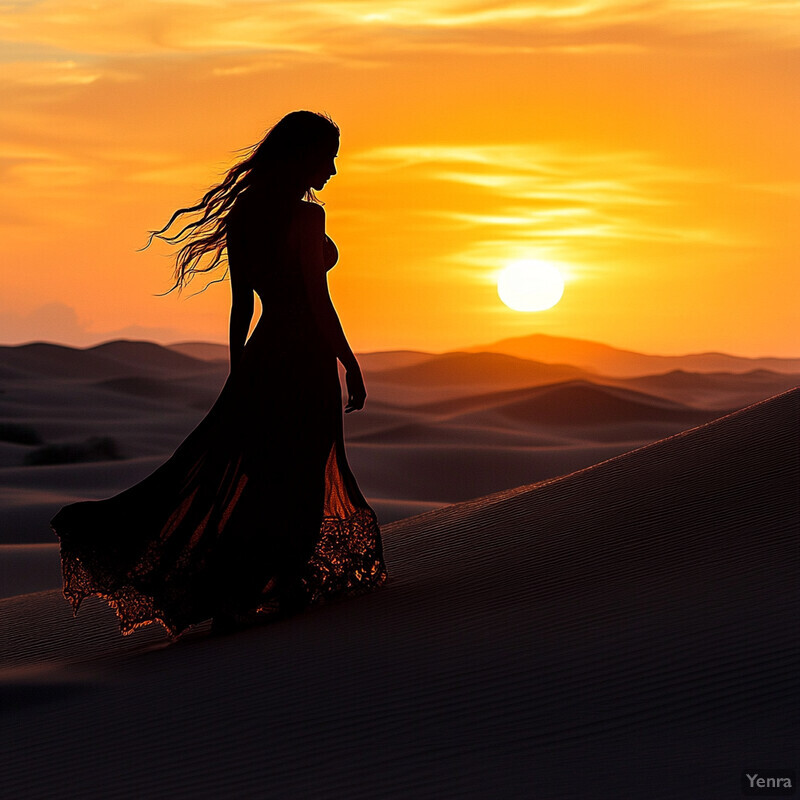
x,y
153,356
624,363
579,403
385,359
716,389
468,368
437,428
392,359
571,409
478,431
585,391
112,359
57,361
626,631
203,351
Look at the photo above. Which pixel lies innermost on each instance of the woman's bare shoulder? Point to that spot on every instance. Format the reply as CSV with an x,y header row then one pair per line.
x,y
309,216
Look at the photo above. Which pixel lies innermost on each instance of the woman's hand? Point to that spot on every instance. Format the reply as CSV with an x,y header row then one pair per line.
x,y
356,392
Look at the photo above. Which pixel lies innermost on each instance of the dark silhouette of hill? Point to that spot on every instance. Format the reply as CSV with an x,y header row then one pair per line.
x,y
202,351
453,435
584,390
578,402
545,417
374,361
716,389
150,355
477,368
56,361
391,359
109,360
608,360
576,405
721,391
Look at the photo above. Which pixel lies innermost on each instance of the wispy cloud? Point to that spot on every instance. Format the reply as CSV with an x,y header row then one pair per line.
x,y
361,29
51,73
515,198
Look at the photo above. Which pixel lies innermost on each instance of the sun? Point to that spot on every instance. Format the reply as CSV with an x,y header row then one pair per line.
x,y
530,285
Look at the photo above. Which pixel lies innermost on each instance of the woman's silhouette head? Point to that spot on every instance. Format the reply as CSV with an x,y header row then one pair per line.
x,y
295,151
294,158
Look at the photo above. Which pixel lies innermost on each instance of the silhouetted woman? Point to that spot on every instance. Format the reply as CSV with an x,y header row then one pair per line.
x,y
257,513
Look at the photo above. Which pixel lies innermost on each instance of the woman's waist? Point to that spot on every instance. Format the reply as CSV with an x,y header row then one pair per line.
x,y
282,330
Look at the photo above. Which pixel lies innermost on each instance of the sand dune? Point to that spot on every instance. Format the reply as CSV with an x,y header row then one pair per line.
x,y
608,360
626,631
391,359
446,433
57,361
159,389
27,568
441,474
154,356
30,496
578,404
564,402
719,390
109,360
203,351
544,416
10,374
496,369
715,390
384,359
381,416
437,428
457,375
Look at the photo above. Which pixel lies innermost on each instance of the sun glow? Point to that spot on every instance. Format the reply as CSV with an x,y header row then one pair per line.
x,y
530,285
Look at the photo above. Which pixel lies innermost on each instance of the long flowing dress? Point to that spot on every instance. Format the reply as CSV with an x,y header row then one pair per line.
x,y
259,492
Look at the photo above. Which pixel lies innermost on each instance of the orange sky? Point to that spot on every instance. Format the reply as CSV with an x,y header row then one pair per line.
x,y
651,148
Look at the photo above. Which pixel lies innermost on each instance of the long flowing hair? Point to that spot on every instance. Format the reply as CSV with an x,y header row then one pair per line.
x,y
279,160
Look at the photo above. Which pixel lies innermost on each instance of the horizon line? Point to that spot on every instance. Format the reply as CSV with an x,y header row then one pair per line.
x,y
463,348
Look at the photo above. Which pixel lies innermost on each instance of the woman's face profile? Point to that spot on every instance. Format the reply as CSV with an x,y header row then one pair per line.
x,y
323,166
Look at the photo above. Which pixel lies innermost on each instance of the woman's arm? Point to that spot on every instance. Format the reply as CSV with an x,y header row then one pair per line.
x,y
311,232
241,312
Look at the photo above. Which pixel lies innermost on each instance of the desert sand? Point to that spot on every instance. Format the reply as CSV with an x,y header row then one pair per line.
x,y
592,592
628,630
437,429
